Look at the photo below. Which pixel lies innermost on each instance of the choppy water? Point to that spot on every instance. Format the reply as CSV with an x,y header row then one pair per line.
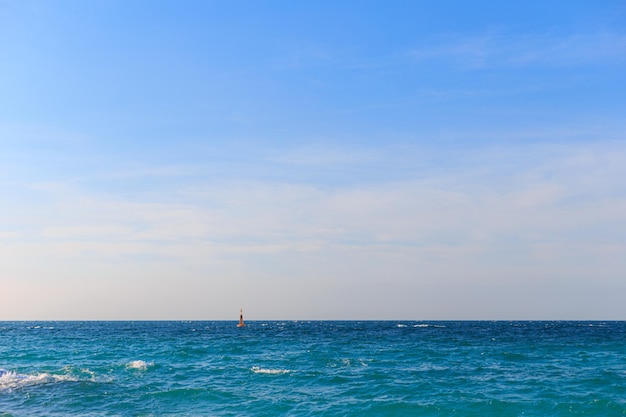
x,y
313,368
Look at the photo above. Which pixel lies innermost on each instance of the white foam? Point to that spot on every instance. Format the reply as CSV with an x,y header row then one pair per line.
x,y
139,364
10,380
420,325
258,370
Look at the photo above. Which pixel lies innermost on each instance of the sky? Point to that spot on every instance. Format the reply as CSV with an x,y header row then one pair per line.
x,y
414,160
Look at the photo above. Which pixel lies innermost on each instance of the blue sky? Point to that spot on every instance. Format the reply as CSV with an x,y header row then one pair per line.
x,y
312,160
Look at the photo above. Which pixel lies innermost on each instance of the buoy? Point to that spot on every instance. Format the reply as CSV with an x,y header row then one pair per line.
x,y
241,323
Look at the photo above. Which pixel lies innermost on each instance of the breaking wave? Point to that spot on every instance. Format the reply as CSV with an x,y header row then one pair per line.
x,y
10,380
258,370
139,364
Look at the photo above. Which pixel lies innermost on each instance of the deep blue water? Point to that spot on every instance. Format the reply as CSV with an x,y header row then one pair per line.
x,y
328,368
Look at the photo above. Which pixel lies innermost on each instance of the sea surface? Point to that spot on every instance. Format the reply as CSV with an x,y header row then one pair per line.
x,y
313,368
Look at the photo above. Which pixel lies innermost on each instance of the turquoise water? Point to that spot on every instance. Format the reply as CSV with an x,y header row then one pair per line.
x,y
375,368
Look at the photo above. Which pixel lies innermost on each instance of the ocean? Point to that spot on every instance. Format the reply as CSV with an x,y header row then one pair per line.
x,y
313,368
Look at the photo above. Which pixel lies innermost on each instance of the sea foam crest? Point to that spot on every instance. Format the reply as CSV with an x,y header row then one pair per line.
x,y
10,380
139,364
258,370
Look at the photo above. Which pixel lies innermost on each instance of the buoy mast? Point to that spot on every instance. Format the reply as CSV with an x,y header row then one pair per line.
x,y
241,323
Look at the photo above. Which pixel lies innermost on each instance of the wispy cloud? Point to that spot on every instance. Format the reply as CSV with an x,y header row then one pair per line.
x,y
302,55
494,50
545,194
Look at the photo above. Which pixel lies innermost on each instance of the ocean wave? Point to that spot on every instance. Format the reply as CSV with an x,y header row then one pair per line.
x,y
139,364
258,370
10,380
